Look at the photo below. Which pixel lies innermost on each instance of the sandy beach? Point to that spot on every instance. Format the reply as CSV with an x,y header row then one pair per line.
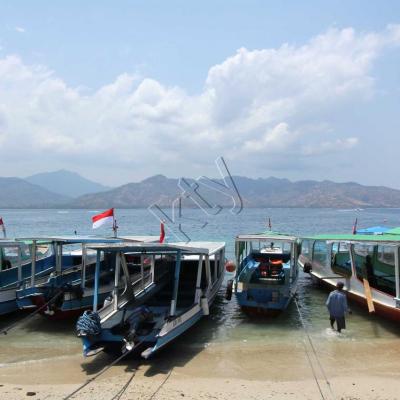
x,y
350,370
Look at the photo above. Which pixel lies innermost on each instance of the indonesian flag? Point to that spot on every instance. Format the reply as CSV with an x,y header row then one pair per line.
x,y
162,232
3,228
103,218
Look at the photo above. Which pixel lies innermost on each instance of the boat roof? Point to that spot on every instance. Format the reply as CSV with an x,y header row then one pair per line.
x,y
206,248
266,236
141,239
10,243
75,239
386,238
374,230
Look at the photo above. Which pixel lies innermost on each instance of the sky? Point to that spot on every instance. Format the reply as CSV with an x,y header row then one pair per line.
x,y
119,91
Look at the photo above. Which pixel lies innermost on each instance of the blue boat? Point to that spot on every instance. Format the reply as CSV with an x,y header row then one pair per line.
x,y
16,268
68,289
267,274
177,284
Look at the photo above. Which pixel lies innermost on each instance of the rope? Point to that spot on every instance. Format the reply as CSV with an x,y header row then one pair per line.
x,y
32,314
123,389
88,324
101,372
315,355
161,385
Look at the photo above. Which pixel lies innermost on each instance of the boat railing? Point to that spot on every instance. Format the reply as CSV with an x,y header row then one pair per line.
x,y
137,286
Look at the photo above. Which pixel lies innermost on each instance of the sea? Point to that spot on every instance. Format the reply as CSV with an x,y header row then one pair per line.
x,y
227,324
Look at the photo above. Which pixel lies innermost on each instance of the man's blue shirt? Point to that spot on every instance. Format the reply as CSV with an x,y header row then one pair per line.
x,y
337,304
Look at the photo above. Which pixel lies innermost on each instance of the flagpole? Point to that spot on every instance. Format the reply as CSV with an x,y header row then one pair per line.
x,y
115,227
3,227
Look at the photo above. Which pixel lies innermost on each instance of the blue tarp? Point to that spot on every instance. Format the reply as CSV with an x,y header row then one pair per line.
x,y
373,230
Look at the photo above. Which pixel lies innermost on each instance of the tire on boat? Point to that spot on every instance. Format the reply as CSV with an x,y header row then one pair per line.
x,y
307,268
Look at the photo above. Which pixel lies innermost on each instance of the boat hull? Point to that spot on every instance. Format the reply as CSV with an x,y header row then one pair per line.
x,y
385,311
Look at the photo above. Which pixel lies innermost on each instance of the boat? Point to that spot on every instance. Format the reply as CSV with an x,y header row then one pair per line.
x,y
368,265
178,283
67,289
16,267
267,274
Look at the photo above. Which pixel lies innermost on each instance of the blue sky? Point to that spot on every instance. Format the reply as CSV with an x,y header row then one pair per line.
x,y
118,91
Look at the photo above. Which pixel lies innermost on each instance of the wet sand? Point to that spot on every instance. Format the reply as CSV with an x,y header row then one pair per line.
x,y
350,370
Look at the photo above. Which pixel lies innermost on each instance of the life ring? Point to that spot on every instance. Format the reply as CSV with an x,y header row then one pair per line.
x,y
230,266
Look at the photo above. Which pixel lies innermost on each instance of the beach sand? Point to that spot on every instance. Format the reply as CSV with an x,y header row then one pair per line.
x,y
350,370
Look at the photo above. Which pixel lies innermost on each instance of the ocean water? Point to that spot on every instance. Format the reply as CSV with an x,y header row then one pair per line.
x,y
227,324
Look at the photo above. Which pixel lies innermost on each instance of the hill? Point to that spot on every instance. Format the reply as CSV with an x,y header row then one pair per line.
x,y
66,183
18,193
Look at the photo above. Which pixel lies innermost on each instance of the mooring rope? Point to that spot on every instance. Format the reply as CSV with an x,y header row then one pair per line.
x,y
123,389
315,355
101,372
32,314
161,385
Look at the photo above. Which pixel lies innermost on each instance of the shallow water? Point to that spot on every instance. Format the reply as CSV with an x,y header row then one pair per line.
x,y
227,325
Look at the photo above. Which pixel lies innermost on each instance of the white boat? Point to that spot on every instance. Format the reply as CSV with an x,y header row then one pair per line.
x,y
177,284
368,264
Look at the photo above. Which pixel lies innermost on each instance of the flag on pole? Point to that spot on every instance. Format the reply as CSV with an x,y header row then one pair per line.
x,y
3,228
355,227
106,217
162,232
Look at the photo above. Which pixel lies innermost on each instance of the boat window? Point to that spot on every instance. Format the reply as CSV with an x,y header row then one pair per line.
x,y
320,252
341,263
376,264
10,257
43,250
386,254
305,247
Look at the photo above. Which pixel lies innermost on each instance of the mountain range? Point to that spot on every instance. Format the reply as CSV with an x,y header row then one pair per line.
x,y
65,189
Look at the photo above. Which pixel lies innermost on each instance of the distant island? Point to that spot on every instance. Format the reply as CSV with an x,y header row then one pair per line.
x,y
65,189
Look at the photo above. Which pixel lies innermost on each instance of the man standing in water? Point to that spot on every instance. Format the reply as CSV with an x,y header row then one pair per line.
x,y
337,306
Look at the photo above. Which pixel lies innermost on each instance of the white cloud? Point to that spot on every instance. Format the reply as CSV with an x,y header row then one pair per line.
x,y
20,29
329,147
274,101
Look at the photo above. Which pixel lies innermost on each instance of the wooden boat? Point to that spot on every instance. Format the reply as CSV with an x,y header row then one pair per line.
x,y
368,265
16,267
267,274
70,282
177,284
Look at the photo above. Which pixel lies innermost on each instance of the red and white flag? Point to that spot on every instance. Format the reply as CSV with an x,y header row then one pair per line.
x,y
162,232
3,228
106,217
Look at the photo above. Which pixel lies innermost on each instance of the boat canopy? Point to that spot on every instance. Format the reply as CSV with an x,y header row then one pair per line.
x,y
10,243
386,238
74,239
375,230
394,231
266,236
206,248
141,239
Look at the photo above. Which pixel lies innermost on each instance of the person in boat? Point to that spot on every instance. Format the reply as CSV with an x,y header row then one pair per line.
x,y
6,264
337,306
